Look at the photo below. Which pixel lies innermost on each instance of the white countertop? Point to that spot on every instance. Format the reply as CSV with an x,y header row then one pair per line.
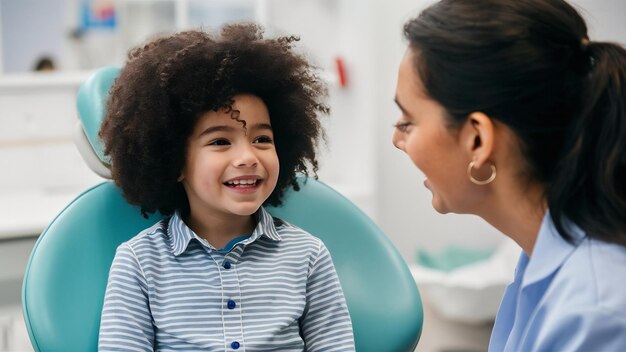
x,y
42,80
26,213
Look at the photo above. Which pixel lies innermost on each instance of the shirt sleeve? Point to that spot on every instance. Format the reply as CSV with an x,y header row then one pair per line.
x,y
591,329
126,322
326,324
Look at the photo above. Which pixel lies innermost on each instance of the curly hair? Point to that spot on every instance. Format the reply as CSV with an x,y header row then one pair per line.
x,y
168,83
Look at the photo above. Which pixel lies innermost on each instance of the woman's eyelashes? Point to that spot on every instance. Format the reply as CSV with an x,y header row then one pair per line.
x,y
402,126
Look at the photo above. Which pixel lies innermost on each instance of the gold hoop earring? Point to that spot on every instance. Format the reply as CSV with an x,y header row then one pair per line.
x,y
481,182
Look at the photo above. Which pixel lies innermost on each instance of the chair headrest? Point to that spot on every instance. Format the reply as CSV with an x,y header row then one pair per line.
x,y
91,101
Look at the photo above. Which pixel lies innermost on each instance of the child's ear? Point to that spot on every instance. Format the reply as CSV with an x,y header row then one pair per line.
x,y
479,137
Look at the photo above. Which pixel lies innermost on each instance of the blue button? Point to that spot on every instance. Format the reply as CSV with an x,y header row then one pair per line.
x,y
227,264
231,304
235,345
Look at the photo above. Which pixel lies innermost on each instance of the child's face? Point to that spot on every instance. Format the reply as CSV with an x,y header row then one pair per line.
x,y
230,171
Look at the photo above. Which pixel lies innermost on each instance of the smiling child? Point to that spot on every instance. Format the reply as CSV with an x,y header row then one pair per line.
x,y
206,130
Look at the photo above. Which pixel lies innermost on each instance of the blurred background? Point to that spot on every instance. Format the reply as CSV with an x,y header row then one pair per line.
x,y
49,47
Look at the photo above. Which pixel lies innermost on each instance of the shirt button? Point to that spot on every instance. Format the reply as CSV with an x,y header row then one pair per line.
x,y
227,264
231,304
235,345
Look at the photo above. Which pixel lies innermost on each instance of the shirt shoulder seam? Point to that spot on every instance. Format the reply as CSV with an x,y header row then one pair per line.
x,y
132,251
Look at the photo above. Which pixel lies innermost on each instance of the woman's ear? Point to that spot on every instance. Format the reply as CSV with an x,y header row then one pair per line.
x,y
479,137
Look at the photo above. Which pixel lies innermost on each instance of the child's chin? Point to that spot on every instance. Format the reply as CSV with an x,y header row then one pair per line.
x,y
246,210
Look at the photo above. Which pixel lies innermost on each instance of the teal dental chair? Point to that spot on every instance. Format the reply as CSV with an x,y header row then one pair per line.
x,y
66,276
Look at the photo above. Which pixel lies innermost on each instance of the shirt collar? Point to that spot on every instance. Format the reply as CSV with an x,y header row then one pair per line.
x,y
550,250
180,234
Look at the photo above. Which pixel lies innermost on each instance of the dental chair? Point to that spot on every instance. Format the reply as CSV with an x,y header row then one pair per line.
x,y
66,276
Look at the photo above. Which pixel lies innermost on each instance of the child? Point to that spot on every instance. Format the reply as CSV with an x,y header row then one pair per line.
x,y
195,129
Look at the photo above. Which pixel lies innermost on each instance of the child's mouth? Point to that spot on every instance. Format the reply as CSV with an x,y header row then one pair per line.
x,y
243,183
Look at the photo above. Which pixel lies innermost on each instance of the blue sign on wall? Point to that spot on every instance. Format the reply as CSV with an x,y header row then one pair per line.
x,y
97,14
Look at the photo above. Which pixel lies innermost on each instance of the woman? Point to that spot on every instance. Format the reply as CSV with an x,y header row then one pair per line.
x,y
514,115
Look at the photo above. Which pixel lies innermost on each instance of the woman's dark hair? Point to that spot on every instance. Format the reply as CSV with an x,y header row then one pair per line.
x,y
530,65
167,84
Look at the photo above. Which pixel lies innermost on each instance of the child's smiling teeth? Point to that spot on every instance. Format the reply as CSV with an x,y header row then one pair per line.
x,y
241,183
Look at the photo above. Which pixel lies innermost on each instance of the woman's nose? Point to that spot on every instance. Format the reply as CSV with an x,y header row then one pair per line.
x,y
397,139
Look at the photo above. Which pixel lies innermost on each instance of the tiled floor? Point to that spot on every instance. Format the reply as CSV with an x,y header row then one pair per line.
x,y
442,335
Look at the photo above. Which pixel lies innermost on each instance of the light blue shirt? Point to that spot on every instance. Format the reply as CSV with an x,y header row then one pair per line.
x,y
275,290
565,297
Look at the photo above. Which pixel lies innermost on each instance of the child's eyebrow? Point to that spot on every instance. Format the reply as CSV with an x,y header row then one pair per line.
x,y
262,126
224,128
219,128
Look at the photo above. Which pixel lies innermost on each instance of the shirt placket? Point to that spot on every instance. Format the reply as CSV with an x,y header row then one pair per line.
x,y
231,301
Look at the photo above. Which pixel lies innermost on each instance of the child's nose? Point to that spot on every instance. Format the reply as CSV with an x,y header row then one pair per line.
x,y
246,157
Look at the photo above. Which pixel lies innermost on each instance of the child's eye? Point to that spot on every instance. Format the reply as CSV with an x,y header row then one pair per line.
x,y
402,126
263,139
219,142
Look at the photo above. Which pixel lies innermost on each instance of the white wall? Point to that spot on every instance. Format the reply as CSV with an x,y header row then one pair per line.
x,y
1,49
28,32
330,29
606,19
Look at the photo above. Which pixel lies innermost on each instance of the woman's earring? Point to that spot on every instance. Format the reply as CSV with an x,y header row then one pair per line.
x,y
481,182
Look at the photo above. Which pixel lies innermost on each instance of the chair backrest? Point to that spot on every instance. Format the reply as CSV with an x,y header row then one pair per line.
x,y
66,277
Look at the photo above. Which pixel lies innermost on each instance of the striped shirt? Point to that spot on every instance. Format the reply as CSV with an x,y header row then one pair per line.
x,y
276,290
